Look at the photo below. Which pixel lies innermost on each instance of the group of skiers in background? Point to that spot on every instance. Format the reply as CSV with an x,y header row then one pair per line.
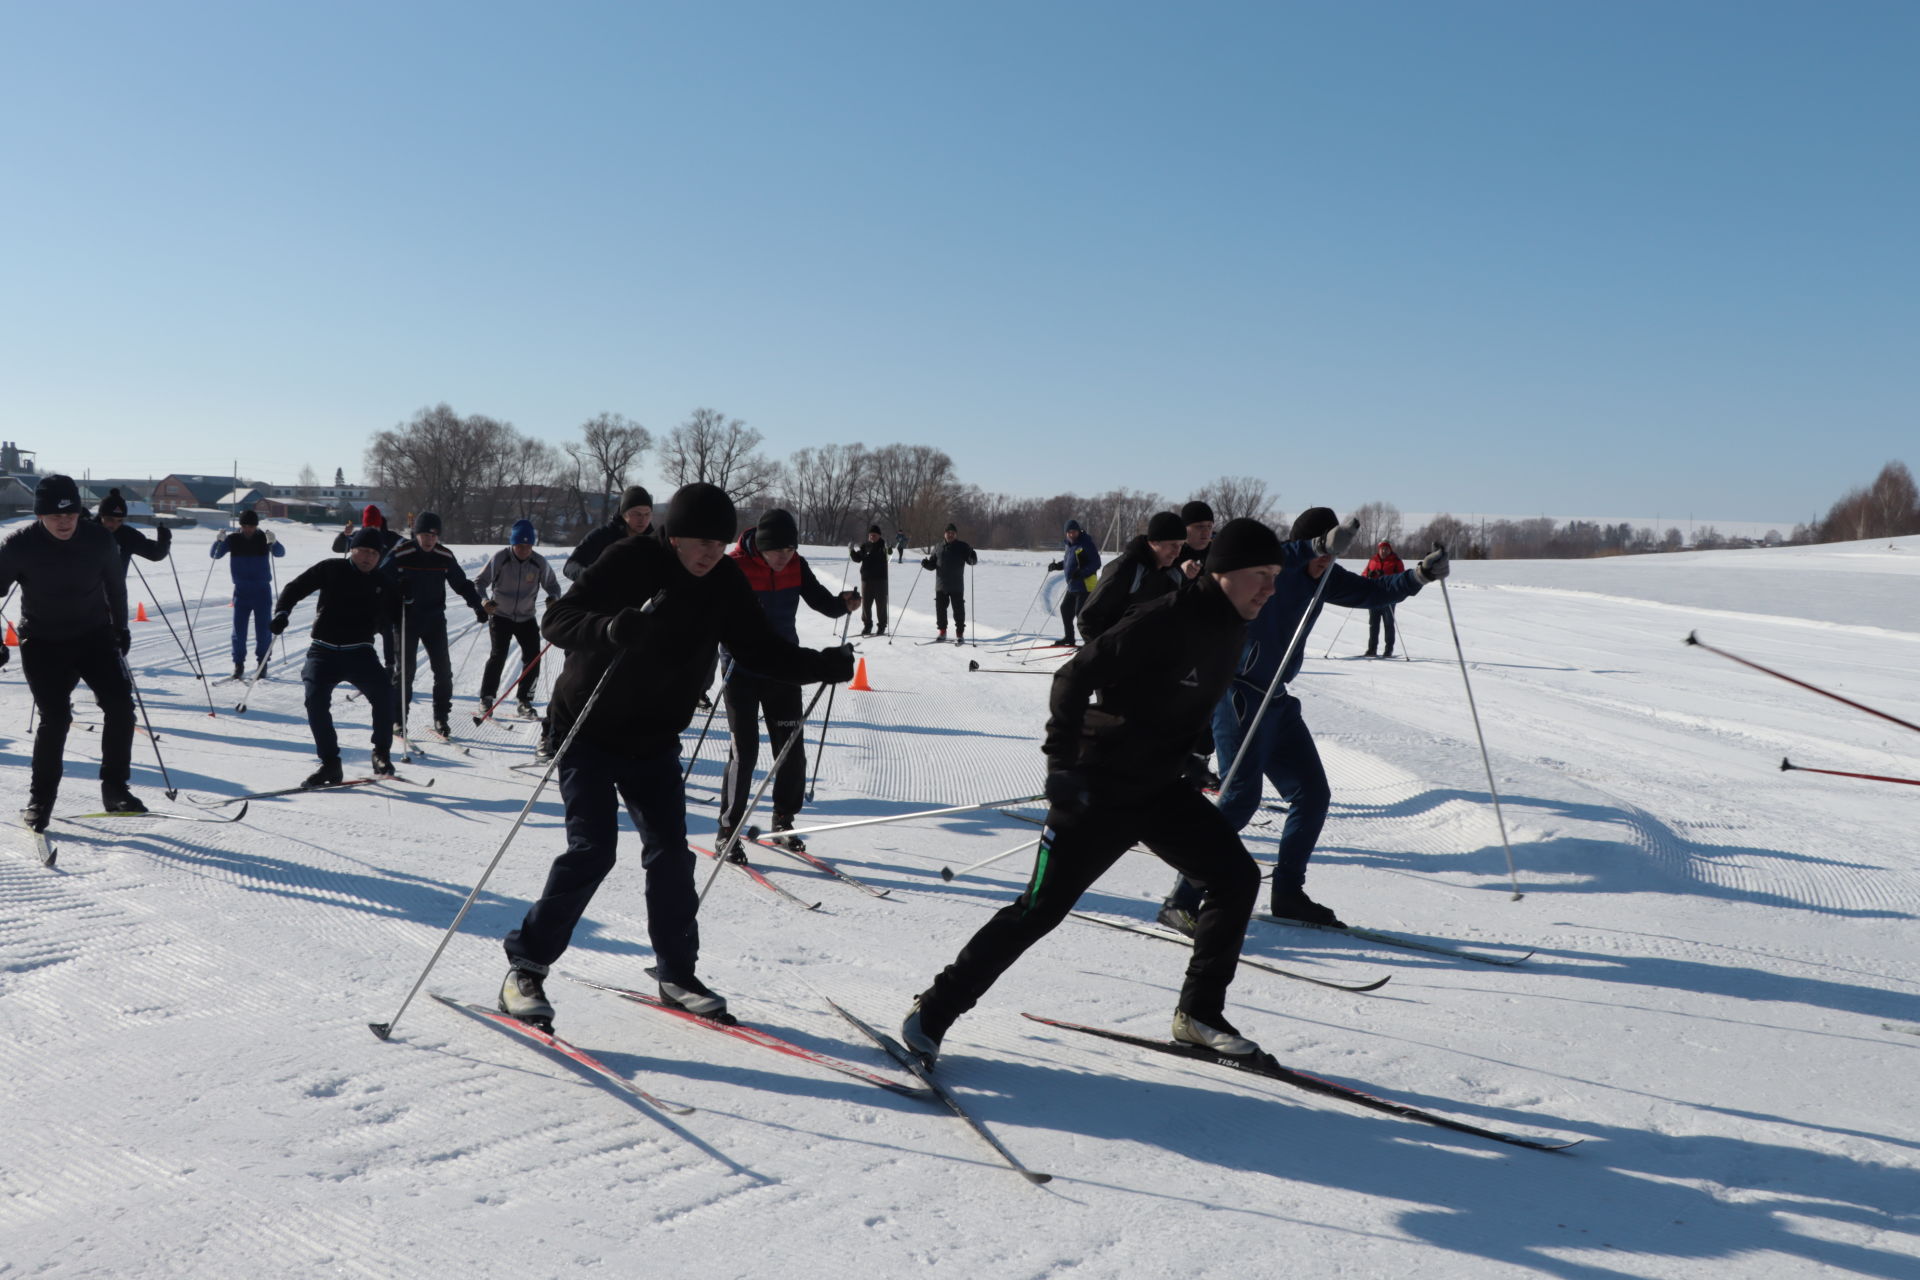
x,y
1191,636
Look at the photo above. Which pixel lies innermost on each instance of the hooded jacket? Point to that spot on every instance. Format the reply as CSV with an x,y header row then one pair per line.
x,y
516,584
1133,579
1081,560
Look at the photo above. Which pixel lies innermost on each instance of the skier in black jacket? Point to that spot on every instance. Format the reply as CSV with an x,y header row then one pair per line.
x,y
1144,571
73,627
1114,778
948,564
872,555
425,569
634,518
1197,516
357,602
130,541
645,668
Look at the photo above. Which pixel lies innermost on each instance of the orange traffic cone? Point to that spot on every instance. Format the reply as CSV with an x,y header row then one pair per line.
x,y
12,638
859,677
140,615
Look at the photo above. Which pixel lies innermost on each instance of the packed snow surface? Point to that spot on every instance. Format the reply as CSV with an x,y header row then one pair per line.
x,y
1722,1000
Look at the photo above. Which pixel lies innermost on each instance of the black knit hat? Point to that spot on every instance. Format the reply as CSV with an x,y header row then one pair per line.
x,y
777,531
113,504
249,517
701,510
634,496
1166,527
952,528
57,495
1241,544
1313,522
873,528
1195,512
426,522
366,536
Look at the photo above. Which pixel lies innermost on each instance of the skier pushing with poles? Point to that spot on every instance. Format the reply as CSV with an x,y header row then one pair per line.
x,y
872,555
647,665
130,541
247,549
425,569
515,577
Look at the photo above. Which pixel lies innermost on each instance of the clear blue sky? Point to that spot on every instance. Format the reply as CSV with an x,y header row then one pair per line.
x,y
1480,256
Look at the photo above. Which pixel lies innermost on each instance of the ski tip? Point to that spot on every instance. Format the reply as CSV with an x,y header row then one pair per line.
x,y
1037,1179
243,811
381,1030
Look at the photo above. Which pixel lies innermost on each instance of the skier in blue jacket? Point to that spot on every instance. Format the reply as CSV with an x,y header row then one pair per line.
x,y
1081,562
248,548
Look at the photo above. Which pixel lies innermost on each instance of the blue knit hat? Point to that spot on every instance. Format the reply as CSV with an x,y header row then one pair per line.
x,y
1073,526
523,531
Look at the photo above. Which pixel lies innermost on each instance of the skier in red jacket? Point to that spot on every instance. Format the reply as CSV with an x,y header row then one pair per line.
x,y
1383,565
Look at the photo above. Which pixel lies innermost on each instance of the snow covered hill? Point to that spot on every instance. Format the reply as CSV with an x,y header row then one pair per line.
x,y
1721,1002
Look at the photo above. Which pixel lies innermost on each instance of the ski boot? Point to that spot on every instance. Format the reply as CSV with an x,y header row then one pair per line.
x,y
327,775
1178,919
942,637
523,996
782,823
382,764
37,814
960,635
692,995
1294,904
921,1032
1215,1034
739,851
239,671
115,798
526,709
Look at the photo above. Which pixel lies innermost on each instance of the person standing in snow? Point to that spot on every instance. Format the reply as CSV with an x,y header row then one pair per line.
x,y
769,557
515,577
900,545
638,628
948,564
131,542
73,627
1124,711
872,555
1385,564
247,549
1283,749
1197,516
634,518
1144,571
425,569
1080,561
356,602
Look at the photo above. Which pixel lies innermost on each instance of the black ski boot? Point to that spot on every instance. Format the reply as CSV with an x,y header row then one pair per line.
x,y
115,798
327,775
1178,919
705,703
527,710
239,671
693,995
382,764
443,730
523,996
37,814
1294,904
738,853
782,823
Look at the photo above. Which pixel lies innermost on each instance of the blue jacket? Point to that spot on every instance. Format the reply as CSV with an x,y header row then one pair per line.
x,y
1269,634
249,551
1081,560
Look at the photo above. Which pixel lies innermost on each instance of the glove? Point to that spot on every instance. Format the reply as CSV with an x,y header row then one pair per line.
x,y
1056,566
1070,792
852,598
278,624
491,608
839,664
6,655
268,535
1336,540
480,615
927,563
629,628
1434,567
164,536
126,639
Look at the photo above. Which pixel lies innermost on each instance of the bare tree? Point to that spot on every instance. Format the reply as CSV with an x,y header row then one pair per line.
x,y
823,486
309,478
912,486
463,469
608,449
1232,497
1379,522
713,448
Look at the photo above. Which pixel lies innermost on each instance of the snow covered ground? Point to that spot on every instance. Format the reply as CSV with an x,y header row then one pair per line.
x,y
189,1086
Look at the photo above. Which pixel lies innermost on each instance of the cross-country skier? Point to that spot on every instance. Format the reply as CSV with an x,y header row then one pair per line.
x,y
872,555
628,750
73,627
1384,564
131,541
355,603
1284,751
370,518
948,564
247,549
1144,571
1197,516
768,556
1080,561
1125,711
515,576
634,518
900,545
425,569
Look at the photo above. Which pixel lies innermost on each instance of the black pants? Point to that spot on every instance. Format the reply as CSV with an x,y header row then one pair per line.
x,y
329,666
748,697
53,669
1180,826
502,632
1069,610
958,599
1374,618
593,783
873,601
429,631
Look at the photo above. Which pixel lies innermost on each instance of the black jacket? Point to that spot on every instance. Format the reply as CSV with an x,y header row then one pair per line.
x,y
353,605
595,545
949,563
388,540
650,696
424,577
1133,578
68,590
131,542
1131,705
873,557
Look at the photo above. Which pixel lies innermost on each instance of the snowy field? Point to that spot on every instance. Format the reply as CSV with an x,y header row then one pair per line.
x,y
1721,1002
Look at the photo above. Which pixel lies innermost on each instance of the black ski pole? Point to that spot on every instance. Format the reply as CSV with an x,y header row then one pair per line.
x,y
205,582
180,598
1693,638
1786,764
385,1029
713,708
911,587
172,792
821,752
1492,790
192,661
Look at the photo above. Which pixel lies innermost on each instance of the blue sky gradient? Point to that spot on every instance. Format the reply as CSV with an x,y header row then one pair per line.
x,y
1485,256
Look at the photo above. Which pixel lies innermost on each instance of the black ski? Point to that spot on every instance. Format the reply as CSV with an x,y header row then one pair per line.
x,y
159,813
759,877
1264,1064
1252,962
1396,940
775,843
899,1054
765,1039
573,1053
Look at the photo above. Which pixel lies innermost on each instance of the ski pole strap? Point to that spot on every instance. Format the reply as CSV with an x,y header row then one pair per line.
x,y
1694,638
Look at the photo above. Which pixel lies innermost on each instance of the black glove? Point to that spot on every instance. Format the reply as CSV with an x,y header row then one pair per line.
x,y
163,536
1056,566
1070,792
126,639
927,563
1335,541
839,664
1434,567
278,624
480,616
629,628
6,655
